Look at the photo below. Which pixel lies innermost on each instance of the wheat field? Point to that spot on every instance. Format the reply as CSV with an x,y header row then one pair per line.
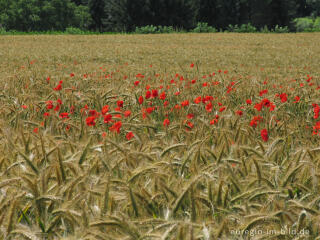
x,y
178,136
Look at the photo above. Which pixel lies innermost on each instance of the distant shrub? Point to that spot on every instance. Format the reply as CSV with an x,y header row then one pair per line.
x,y
2,31
279,29
203,27
265,29
303,24
316,24
73,30
150,29
244,28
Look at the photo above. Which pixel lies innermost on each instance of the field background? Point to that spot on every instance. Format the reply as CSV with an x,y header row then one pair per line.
x,y
173,182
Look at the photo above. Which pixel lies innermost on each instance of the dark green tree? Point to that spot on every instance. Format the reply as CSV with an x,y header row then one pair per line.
x,y
97,11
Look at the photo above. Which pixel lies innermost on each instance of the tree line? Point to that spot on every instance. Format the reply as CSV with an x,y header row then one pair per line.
x,y
126,15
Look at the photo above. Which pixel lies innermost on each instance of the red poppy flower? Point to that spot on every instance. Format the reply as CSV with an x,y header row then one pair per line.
x,y
64,115
166,122
190,124
239,112
149,110
154,93
90,121
265,102
258,106
46,114
57,108
192,65
116,127
129,135
136,83
249,101
49,104
254,122
190,116
297,99
209,107
24,106
58,87
214,121
265,91
264,135
127,113
197,100
120,104
283,97
222,109
185,103
93,113
140,100
162,96
36,130
148,94
105,109
107,118
316,110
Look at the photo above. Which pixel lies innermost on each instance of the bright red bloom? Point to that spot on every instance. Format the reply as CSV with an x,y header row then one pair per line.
x,y
127,113
57,108
316,110
190,116
207,98
116,127
58,87
36,130
165,103
265,102
197,100
297,99
192,65
107,118
149,109
129,136
46,114
249,101
214,121
222,109
64,115
185,103
140,100
166,122
154,93
49,104
209,107
120,103
316,128
239,112
258,106
283,97
71,74
264,135
105,109
24,106
254,122
136,83
148,94
90,121
93,113
162,96
190,124
265,91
